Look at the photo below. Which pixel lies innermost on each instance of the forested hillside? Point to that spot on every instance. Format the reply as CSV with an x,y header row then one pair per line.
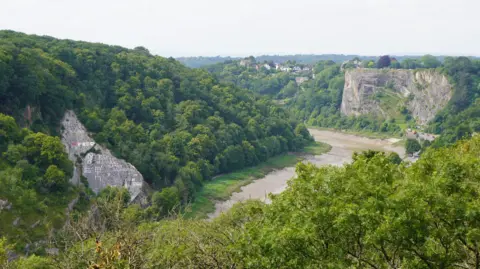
x,y
178,126
373,213
317,99
261,80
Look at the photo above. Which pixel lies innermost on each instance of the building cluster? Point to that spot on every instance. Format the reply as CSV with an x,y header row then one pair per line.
x,y
301,72
294,68
285,67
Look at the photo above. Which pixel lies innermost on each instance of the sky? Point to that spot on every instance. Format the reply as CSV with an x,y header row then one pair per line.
x,y
257,27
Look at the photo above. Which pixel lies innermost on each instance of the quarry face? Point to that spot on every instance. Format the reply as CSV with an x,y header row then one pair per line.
x,y
423,92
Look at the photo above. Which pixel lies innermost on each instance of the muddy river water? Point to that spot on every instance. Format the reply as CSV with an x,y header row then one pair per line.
x,y
343,146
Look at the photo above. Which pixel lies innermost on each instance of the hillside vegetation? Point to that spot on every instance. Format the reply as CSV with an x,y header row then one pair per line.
x,y
34,188
185,128
318,100
372,213
178,126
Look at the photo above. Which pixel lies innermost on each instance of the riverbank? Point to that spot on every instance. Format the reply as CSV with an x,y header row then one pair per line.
x,y
343,146
367,134
222,187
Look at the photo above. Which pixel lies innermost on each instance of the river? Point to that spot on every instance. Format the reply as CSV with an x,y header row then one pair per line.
x,y
343,146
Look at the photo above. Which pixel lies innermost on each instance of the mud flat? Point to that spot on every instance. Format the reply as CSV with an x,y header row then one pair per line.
x,y
343,146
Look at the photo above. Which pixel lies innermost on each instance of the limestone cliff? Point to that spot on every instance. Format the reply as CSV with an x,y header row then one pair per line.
x,y
384,92
96,163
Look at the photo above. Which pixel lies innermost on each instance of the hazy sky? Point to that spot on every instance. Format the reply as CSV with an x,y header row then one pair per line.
x,y
255,27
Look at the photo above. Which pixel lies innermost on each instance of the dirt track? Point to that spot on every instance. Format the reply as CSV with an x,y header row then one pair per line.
x,y
343,146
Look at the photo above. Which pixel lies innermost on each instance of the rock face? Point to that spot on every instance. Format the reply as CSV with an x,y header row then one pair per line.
x,y
96,163
423,92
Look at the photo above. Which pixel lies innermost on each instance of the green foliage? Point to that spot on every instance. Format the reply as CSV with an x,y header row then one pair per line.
x,y
412,146
222,187
383,61
34,174
166,200
316,101
319,104
460,118
177,126
372,213
317,148
429,61
263,81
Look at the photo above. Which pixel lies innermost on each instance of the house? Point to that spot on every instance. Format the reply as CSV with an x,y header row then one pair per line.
x,y
306,68
285,69
267,66
277,66
297,69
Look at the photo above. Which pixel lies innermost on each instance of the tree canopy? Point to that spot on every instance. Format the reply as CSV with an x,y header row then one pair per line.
x,y
372,213
178,126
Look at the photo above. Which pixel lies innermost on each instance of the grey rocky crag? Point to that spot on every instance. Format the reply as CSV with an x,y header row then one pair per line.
x,y
96,163
423,92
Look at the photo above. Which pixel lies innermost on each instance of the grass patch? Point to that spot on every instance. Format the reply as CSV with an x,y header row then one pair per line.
x,y
222,187
317,148
367,134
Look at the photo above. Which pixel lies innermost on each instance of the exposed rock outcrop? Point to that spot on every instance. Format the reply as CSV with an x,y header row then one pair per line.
x,y
96,163
423,92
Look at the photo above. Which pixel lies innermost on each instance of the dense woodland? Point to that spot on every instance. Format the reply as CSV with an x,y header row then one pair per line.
x,y
178,126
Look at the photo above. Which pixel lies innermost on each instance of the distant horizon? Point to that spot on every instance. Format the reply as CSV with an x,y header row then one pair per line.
x,y
319,54
187,28
152,51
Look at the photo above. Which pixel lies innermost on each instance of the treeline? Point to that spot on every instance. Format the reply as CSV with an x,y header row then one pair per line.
x,y
200,61
197,62
386,61
372,213
178,126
